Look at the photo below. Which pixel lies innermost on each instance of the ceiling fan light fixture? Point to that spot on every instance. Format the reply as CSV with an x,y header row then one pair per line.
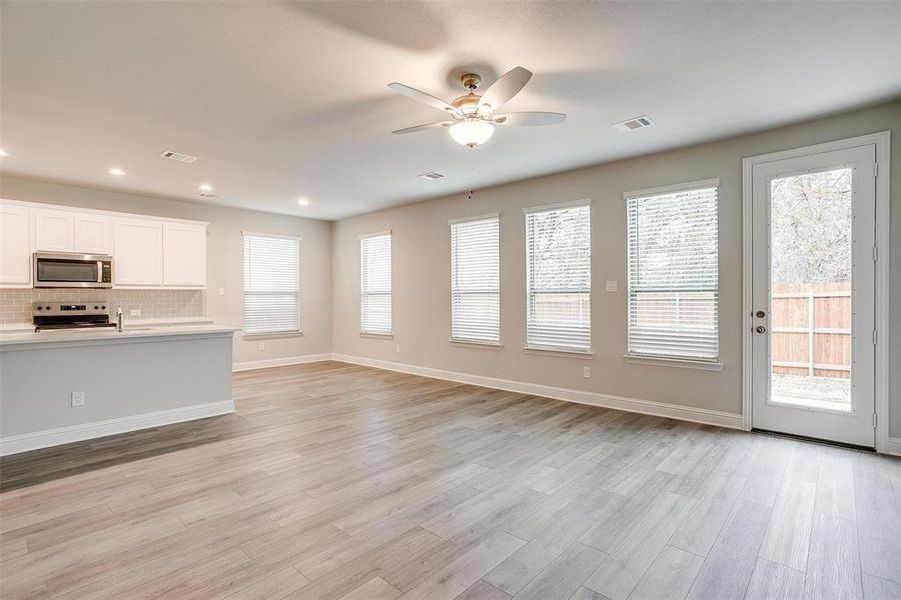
x,y
472,132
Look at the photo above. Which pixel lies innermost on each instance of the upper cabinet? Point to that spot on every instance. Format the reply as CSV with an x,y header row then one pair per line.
x,y
71,231
184,255
92,233
15,246
54,230
138,256
148,252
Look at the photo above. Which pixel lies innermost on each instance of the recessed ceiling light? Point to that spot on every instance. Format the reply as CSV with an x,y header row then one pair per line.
x,y
3,152
205,187
303,201
432,175
116,171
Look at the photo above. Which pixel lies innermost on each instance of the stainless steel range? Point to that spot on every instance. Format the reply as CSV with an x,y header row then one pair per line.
x,y
70,315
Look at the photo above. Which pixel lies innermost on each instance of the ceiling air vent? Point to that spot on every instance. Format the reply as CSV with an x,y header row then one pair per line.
x,y
208,195
630,124
185,158
432,175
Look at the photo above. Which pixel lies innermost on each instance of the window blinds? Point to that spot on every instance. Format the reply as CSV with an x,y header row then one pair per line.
x,y
558,270
271,284
375,284
673,286
475,280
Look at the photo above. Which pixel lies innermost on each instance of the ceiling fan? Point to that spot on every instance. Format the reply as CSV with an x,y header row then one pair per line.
x,y
472,115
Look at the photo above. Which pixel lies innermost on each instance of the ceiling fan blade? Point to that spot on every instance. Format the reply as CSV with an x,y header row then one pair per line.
x,y
530,118
425,127
505,88
422,97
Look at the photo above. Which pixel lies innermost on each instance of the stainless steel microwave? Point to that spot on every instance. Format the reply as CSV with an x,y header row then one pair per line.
x,y
72,270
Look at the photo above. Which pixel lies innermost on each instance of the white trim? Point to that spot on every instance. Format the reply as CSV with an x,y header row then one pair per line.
x,y
556,206
892,446
279,362
476,343
647,407
363,236
271,235
88,431
685,363
702,184
97,211
555,351
882,140
377,335
484,217
262,335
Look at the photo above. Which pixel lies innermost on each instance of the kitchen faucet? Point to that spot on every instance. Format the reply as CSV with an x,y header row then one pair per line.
x,y
119,318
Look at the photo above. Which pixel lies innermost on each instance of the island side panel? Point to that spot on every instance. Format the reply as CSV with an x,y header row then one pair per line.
x,y
123,380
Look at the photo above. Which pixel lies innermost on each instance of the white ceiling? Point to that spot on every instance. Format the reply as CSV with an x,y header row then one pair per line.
x,y
282,100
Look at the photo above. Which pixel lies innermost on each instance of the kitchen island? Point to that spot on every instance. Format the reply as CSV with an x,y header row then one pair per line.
x,y
63,386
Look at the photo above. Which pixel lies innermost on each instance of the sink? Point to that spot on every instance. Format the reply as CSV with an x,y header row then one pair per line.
x,y
131,329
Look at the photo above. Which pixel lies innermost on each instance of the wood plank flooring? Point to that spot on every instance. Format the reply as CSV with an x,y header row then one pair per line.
x,y
335,481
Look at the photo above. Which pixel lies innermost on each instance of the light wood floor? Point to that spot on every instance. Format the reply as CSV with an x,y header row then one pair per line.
x,y
336,481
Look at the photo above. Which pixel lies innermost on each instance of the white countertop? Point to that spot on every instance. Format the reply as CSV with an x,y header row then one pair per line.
x,y
165,322
132,331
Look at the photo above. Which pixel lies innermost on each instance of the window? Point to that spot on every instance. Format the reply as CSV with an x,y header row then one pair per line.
x,y
673,287
375,284
271,283
475,280
558,271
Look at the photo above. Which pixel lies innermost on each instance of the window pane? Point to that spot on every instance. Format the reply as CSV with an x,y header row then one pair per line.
x,y
271,284
375,284
673,278
558,252
475,280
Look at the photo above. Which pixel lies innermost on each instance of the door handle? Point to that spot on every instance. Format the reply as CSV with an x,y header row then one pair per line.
x,y
760,329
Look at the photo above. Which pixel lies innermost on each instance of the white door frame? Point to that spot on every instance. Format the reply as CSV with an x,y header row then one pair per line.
x,y
882,140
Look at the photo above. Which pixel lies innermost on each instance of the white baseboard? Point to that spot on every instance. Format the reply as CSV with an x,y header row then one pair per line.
x,y
894,446
280,362
647,407
87,431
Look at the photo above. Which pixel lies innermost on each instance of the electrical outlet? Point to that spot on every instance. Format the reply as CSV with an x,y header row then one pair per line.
x,y
77,398
586,372
135,312
261,346
397,348
221,291
610,285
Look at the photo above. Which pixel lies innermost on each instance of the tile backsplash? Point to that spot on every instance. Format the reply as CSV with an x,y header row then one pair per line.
x,y
15,304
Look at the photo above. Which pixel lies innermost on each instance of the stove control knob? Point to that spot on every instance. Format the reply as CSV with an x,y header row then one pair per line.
x,y
103,307
40,308
96,307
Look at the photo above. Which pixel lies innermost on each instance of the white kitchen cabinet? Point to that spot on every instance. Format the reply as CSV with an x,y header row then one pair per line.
x,y
92,233
15,246
54,230
138,253
184,255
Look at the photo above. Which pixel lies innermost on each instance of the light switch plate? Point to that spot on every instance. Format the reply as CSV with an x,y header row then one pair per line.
x,y
77,398
221,291
610,285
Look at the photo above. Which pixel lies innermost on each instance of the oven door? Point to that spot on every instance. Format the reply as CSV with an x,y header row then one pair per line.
x,y
62,270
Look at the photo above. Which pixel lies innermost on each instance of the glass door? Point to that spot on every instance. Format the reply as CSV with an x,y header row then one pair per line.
x,y
814,295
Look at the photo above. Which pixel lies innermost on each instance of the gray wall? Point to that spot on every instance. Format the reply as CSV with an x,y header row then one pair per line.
x,y
421,270
225,251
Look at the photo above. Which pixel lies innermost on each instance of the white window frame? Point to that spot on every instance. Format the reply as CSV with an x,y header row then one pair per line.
x,y
714,364
363,331
471,341
280,333
556,350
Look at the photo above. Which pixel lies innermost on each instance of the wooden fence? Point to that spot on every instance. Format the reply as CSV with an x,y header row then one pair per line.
x,y
811,329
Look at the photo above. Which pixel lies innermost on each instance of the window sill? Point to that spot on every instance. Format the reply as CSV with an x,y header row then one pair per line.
x,y
477,344
685,363
563,352
377,336
271,335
